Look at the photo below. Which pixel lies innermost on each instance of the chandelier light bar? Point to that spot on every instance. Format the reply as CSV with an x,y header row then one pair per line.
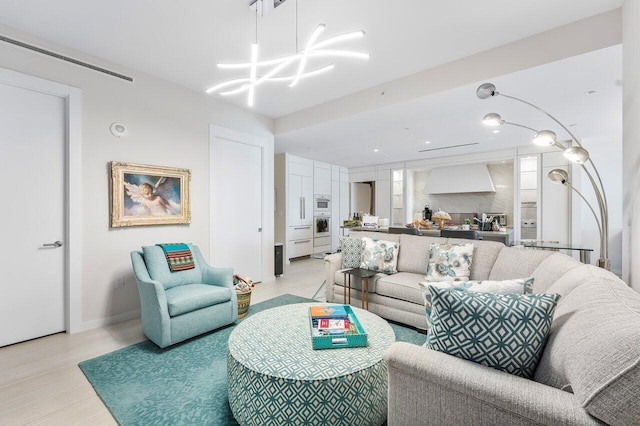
x,y
313,48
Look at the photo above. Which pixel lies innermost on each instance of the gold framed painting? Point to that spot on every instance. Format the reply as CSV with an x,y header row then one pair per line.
x,y
149,195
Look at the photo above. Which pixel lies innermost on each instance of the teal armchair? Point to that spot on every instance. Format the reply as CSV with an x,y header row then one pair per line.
x,y
176,306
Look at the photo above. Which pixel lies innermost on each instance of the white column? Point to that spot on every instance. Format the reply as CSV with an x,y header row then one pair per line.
x,y
631,142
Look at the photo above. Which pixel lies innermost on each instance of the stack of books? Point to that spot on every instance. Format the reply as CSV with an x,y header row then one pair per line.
x,y
331,320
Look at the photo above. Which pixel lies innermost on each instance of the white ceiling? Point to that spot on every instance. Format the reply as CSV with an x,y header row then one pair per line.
x,y
454,117
181,41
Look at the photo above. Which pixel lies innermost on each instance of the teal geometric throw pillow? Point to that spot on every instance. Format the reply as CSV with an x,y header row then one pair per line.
x,y
351,249
503,331
515,286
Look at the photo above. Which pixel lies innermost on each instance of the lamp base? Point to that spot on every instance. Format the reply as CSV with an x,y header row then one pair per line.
x,y
604,264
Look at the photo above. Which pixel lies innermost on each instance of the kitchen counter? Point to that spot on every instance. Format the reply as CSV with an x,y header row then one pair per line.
x,y
505,236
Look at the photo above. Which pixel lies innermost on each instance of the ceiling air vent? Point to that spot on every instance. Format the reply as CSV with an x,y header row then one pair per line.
x,y
65,58
449,147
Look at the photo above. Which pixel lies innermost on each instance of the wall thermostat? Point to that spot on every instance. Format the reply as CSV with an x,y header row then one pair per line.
x,y
119,130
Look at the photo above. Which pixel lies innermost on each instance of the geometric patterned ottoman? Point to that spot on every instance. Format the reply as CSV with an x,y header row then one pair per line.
x,y
275,377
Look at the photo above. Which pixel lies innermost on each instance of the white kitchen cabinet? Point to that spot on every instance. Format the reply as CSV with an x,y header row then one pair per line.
x,y
321,178
300,197
299,248
335,213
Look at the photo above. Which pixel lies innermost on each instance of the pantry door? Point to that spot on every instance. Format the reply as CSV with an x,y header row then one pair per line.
x,y
237,237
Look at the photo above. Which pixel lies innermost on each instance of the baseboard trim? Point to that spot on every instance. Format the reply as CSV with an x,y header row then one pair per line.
x,y
102,322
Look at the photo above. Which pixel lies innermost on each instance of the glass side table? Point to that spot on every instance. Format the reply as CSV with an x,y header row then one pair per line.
x,y
585,252
364,275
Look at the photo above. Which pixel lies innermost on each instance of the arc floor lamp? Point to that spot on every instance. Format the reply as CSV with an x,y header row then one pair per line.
x,y
574,152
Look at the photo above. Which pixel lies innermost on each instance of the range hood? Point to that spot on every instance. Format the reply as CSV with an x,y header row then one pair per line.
x,y
459,179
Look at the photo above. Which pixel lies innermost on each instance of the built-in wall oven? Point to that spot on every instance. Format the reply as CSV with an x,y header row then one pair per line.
x,y
322,204
321,230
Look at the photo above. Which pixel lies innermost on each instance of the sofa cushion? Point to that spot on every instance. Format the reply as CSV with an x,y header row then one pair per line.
x,y
380,255
517,262
414,252
594,347
191,297
450,262
551,269
159,270
351,249
503,331
402,286
485,254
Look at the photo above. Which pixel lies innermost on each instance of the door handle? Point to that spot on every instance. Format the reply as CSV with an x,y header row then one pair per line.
x,y
304,208
54,244
300,208
301,242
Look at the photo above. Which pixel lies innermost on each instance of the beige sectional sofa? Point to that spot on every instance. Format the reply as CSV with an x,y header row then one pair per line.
x,y
589,373
398,297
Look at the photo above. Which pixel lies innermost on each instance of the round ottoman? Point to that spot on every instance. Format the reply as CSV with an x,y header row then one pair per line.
x,y
275,377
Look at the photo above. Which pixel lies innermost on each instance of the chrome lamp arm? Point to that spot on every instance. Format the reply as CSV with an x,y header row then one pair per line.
x,y
577,155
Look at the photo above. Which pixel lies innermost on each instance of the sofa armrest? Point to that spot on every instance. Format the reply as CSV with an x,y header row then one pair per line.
x,y
154,311
427,387
222,277
332,263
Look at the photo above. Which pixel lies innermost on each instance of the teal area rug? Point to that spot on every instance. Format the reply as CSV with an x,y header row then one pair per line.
x,y
185,384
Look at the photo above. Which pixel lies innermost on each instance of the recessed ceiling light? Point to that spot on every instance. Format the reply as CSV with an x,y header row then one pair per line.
x,y
376,150
589,92
427,142
496,131
572,124
406,128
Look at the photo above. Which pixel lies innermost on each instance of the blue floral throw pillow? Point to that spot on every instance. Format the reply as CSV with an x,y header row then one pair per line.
x,y
502,331
379,255
449,262
351,249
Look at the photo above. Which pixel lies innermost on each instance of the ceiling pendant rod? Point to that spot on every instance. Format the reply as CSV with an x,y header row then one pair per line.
x,y
253,72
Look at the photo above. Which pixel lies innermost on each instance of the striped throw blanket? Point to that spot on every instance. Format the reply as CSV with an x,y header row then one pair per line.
x,y
179,256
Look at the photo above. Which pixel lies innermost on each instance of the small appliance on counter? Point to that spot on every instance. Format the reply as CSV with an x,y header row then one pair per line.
x,y
369,221
499,218
427,213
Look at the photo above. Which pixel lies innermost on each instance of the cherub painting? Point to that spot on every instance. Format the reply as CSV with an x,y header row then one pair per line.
x,y
157,199
149,195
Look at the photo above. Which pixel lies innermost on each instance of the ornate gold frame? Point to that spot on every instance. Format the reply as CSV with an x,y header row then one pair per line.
x,y
118,194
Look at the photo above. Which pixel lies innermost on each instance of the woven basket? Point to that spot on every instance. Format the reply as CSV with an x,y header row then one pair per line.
x,y
244,300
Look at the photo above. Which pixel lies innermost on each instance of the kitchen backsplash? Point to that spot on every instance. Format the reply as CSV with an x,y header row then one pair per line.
x,y
499,202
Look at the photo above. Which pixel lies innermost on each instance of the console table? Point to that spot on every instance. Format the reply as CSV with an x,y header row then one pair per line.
x,y
585,252
275,377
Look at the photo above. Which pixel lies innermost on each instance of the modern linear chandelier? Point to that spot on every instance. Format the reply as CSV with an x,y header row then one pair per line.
x,y
261,71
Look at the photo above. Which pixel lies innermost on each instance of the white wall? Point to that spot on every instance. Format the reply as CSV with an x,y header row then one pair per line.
x,y
168,126
607,156
631,136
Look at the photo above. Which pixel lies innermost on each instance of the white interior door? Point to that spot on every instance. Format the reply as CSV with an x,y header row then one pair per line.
x,y
32,164
236,227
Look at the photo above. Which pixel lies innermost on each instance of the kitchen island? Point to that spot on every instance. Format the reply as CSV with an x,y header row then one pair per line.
x,y
505,236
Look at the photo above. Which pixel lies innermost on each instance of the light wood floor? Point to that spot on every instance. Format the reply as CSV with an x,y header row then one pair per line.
x,y
41,384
